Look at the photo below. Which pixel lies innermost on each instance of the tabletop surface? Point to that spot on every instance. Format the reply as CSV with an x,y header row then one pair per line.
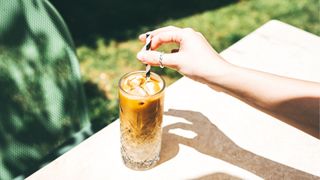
x,y
210,135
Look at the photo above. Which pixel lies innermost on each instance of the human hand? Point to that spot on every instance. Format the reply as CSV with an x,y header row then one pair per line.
x,y
195,58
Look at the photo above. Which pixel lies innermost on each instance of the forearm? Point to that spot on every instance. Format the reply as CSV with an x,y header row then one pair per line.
x,y
294,101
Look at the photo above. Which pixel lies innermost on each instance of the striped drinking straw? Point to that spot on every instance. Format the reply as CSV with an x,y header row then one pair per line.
x,y
148,46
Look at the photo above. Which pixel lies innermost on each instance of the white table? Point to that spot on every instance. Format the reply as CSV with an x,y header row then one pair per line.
x,y
230,138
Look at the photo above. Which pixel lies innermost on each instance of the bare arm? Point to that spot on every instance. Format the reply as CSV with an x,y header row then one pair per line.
x,y
293,101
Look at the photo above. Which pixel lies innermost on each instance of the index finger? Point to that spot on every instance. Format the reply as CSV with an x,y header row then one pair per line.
x,y
174,36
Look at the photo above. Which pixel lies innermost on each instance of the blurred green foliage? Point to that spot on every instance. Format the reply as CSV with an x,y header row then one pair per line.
x,y
106,61
120,20
42,102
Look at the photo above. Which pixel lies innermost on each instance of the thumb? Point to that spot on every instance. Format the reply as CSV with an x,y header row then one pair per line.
x,y
153,58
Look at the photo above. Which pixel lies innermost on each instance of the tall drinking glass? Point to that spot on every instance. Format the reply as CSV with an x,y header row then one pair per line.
x,y
141,111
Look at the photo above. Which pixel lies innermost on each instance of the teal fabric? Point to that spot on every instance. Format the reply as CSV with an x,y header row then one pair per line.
x,y
42,103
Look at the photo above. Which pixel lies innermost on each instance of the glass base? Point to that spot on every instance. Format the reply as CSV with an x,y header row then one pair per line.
x,y
142,165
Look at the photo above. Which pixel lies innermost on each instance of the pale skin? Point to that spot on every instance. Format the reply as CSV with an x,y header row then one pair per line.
x,y
292,101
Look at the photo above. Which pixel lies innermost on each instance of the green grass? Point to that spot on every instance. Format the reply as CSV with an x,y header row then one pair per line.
x,y
107,62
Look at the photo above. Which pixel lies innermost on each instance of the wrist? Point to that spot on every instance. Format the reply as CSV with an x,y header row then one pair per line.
x,y
219,73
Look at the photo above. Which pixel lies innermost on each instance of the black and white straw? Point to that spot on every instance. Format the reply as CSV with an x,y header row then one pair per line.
x,y
148,46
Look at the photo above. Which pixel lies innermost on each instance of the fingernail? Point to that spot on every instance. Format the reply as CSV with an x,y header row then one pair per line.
x,y
141,36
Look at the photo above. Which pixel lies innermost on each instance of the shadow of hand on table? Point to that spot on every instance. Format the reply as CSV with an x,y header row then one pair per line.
x,y
213,142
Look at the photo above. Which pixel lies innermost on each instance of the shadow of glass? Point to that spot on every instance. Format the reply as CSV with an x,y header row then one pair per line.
x,y
213,142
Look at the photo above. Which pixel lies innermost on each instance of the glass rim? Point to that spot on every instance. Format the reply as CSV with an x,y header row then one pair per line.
x,y
138,72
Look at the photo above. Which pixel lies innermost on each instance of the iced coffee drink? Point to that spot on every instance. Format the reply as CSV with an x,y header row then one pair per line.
x,y
141,111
